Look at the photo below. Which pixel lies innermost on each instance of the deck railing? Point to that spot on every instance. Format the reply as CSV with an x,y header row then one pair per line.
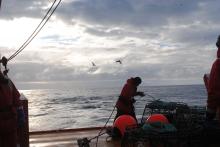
x,y
23,132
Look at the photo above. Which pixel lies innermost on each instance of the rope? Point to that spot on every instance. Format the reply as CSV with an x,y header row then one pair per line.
x,y
150,96
97,137
100,132
37,30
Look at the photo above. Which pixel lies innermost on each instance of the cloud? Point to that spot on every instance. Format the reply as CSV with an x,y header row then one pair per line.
x,y
15,9
158,40
127,12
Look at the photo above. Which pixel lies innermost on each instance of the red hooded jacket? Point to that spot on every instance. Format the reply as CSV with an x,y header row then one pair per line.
x,y
9,95
214,84
9,102
125,101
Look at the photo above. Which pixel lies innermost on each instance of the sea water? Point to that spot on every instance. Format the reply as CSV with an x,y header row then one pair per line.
x,y
51,109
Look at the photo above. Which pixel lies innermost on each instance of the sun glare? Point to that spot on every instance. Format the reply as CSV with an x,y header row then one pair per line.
x,y
14,32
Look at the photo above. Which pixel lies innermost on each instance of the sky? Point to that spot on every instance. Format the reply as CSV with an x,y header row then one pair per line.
x,y
165,42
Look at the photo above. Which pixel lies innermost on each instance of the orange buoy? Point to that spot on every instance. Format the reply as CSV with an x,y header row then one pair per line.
x,y
157,118
124,121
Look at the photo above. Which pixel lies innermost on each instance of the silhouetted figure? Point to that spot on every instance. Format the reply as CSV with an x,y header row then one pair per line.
x,y
118,61
125,103
11,111
213,87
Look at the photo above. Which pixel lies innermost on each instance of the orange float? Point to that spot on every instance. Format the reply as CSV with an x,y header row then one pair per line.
x,y
157,118
124,121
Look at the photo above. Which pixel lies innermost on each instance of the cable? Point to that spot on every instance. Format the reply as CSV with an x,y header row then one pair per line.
x,y
104,126
37,30
100,132
33,35
154,99
34,30
150,96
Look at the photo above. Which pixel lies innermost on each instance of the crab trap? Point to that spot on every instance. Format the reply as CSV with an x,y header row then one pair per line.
x,y
187,127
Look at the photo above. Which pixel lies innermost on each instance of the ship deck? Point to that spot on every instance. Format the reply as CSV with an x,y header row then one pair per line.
x,y
69,137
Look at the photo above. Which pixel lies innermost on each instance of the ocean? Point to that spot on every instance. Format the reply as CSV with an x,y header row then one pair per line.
x,y
51,109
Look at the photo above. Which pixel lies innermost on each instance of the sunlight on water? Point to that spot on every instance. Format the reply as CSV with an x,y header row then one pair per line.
x,y
74,108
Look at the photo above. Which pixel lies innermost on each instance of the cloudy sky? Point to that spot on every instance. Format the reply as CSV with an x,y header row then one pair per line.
x,y
162,41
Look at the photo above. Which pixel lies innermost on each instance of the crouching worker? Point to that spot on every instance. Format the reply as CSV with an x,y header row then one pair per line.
x,y
125,103
11,111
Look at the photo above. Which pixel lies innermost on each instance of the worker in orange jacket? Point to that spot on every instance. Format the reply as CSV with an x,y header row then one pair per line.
x,y
125,103
213,87
11,111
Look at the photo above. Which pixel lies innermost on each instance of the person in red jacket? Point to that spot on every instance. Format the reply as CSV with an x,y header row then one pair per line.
x,y
213,87
126,99
11,111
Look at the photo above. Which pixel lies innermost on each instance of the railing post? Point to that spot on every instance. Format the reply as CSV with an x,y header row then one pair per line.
x,y
23,132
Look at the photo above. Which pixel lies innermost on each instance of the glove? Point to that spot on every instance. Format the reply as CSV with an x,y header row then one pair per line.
x,y
21,117
210,115
141,94
133,100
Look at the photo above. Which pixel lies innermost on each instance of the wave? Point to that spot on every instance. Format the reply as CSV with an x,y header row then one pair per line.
x,y
54,109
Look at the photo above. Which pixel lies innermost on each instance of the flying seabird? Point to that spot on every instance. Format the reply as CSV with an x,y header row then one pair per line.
x,y
93,64
119,61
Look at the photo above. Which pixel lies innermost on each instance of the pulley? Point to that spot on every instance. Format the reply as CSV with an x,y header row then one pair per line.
x,y
4,62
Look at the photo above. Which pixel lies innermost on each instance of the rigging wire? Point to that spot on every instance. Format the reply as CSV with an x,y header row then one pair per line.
x,y
34,30
38,29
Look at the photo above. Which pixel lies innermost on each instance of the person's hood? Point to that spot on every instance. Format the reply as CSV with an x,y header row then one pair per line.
x,y
130,81
218,53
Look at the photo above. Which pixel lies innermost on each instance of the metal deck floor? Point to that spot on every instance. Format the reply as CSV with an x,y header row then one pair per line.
x,y
68,138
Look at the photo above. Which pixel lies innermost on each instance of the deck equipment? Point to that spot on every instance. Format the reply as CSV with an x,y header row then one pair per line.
x,y
186,126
